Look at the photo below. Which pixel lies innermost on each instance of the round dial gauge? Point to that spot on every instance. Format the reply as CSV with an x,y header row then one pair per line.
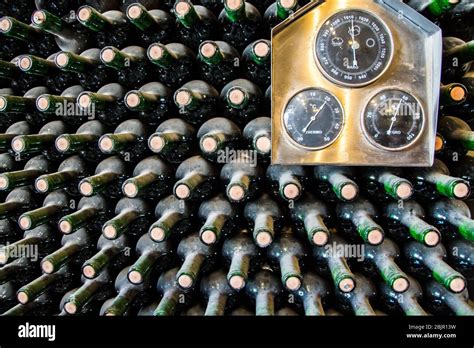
x,y
393,119
314,118
353,48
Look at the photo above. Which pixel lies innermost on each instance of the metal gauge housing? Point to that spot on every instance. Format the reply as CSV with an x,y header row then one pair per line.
x,y
314,118
354,48
393,120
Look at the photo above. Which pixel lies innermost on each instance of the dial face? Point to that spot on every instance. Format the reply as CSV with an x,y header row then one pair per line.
x,y
353,48
314,118
393,119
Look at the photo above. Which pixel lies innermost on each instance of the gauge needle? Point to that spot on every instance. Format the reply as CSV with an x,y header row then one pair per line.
x,y
353,46
313,118
394,118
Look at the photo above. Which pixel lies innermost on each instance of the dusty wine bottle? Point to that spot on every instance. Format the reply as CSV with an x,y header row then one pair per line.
x,y
195,23
242,100
313,293
257,135
195,179
385,183
428,262
459,136
335,183
18,128
265,290
131,216
454,218
18,108
108,178
217,136
33,168
175,62
174,219
406,302
287,252
240,22
359,219
265,217
153,25
444,302
219,295
457,58
197,258
242,254
278,12
256,63
453,94
411,217
461,255
70,172
173,295
218,216
173,140
287,182
55,203
16,202
357,302
219,62
197,101
242,179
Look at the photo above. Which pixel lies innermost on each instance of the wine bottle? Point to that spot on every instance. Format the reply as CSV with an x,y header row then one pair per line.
x,y
333,263
197,258
453,94
108,178
357,301
151,179
240,22
219,62
16,202
41,239
242,101
75,249
7,164
313,293
464,170
152,258
430,183
134,70
459,136
55,203
309,216
174,219
195,179
153,25
453,218
453,21
265,217
111,255
152,102
33,168
15,108
195,23
358,218
44,305
106,104
175,62
335,183
457,58
131,216
128,140
428,262
406,302
287,182
129,296
68,37
55,79
219,295
218,136
382,184
173,140
218,216
83,142
461,256
43,141
110,28
78,301
278,12
265,290
444,302
242,178
37,42
171,301
197,101
70,172
409,220
18,128
89,70
11,76
288,253
244,257
256,62
21,270
257,135
62,106
55,283
382,259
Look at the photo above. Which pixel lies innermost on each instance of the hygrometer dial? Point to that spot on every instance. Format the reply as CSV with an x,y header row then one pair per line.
x,y
314,118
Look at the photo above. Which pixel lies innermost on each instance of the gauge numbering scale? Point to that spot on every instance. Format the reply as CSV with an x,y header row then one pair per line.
x,y
355,85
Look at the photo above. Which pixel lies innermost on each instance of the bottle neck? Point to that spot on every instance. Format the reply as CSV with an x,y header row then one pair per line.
x,y
162,229
14,28
75,221
93,19
265,304
168,303
115,227
216,304
97,263
69,61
